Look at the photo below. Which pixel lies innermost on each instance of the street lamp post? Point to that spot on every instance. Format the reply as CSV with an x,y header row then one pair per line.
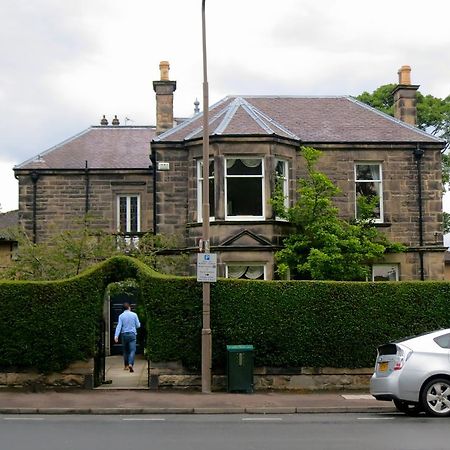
x,y
206,319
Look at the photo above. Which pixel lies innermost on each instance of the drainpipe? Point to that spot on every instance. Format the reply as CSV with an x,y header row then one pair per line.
x,y
418,154
153,160
86,193
34,179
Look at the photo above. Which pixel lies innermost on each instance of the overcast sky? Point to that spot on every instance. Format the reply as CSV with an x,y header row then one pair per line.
x,y
65,63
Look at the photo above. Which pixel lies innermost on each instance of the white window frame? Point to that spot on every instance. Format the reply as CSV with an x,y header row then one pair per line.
x,y
262,176
245,263
380,190
285,179
200,189
394,266
128,212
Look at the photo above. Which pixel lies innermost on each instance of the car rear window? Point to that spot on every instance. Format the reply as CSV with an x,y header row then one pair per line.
x,y
443,341
387,349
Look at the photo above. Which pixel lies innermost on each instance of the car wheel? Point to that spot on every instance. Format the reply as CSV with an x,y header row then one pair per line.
x,y
410,409
436,397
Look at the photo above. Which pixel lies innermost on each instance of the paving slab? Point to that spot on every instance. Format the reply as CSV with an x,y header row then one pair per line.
x,y
185,402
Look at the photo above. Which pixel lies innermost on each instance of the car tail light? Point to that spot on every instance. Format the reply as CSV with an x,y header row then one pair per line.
x,y
403,354
399,364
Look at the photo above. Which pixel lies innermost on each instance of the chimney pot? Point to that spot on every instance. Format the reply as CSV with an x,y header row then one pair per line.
x,y
115,121
104,121
404,75
164,90
405,98
164,68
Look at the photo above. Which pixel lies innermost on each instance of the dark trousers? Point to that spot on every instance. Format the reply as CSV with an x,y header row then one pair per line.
x,y
129,348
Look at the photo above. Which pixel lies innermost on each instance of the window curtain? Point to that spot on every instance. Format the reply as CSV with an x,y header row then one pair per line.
x,y
236,271
251,272
246,162
254,272
251,162
374,172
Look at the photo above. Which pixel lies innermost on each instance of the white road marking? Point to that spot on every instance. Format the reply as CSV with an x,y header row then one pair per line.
x,y
23,418
149,419
375,418
358,397
255,419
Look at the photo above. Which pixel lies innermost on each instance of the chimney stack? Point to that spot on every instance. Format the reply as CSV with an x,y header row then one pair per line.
x,y
164,89
405,97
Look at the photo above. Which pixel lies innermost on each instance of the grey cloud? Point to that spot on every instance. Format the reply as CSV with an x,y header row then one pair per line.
x,y
37,41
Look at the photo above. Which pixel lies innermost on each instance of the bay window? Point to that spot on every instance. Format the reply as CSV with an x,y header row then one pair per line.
x,y
281,173
200,190
244,188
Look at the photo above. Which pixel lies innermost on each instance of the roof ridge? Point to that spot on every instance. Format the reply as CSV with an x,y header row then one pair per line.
x,y
393,119
200,128
45,152
271,121
231,111
188,122
253,112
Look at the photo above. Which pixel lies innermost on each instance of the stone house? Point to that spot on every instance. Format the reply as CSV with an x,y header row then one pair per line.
x,y
8,243
138,179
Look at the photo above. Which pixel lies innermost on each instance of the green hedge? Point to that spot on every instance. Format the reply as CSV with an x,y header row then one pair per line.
x,y
291,324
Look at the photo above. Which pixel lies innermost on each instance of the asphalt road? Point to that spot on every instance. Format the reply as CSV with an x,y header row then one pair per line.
x,y
224,432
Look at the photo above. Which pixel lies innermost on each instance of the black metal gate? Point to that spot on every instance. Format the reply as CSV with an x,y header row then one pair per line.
x,y
100,356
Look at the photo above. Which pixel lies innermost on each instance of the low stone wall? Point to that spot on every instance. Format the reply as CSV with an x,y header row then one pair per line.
x,y
174,376
267,378
78,375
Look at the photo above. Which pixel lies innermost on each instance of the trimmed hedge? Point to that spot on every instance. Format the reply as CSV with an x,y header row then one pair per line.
x,y
48,325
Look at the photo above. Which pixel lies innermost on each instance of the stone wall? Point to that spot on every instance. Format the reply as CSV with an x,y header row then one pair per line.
x,y
178,201
77,375
267,378
173,376
61,199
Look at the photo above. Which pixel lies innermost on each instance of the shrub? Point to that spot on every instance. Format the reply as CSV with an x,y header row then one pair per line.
x,y
48,325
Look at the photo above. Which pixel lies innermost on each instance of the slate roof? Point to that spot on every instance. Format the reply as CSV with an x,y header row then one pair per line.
x,y
103,147
327,119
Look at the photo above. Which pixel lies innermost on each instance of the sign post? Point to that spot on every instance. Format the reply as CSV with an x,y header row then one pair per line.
x,y
206,267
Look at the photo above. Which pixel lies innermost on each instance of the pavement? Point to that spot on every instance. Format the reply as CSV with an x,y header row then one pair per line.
x,y
127,393
138,401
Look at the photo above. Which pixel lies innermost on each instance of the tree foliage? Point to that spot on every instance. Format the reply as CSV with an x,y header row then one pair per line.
x,y
70,252
324,246
433,113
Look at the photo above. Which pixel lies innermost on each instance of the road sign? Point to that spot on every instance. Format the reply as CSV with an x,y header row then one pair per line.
x,y
207,267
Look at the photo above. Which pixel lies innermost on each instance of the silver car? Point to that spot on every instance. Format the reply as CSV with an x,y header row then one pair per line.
x,y
415,374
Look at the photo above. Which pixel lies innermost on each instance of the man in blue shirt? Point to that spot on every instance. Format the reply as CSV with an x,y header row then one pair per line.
x,y
127,326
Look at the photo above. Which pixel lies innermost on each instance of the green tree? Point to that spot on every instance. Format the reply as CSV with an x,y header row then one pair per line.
x,y
160,252
324,246
433,113
66,254
70,252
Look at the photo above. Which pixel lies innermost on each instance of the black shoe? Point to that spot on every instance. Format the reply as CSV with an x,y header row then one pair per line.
x,y
131,369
